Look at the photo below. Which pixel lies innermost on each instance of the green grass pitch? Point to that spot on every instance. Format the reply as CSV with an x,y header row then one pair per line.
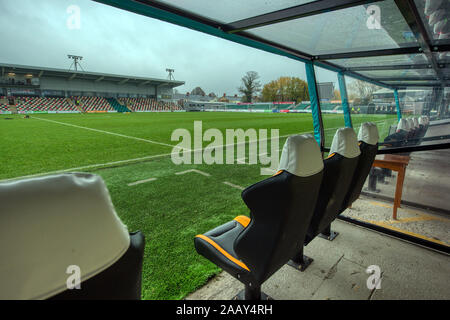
x,y
170,210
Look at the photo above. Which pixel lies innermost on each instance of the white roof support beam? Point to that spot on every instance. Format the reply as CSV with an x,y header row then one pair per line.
x,y
144,83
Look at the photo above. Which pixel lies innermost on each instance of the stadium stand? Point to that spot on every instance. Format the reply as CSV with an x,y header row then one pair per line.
x,y
302,106
117,105
3,106
256,106
261,106
323,106
136,104
329,106
148,104
36,104
93,104
87,104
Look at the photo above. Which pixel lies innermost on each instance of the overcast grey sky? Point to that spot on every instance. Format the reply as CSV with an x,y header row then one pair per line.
x,y
35,32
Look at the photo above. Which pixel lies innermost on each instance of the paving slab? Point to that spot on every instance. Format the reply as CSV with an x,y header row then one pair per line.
x,y
346,280
399,288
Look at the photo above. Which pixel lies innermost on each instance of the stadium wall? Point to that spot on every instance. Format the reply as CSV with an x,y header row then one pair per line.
x,y
75,85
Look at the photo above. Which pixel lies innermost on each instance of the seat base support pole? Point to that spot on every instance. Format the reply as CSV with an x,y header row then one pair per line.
x,y
252,293
328,234
300,261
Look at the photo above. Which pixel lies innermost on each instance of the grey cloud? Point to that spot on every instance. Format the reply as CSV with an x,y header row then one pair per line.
x,y
111,40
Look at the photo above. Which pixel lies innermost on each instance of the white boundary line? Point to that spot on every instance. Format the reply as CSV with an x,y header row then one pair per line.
x,y
233,185
141,181
92,166
194,170
107,132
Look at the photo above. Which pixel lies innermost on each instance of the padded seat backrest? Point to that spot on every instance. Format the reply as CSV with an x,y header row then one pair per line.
x,y
422,121
368,145
121,281
281,208
412,129
50,223
338,172
403,126
398,138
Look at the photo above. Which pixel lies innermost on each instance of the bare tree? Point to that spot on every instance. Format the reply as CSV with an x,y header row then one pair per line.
x,y
363,90
250,86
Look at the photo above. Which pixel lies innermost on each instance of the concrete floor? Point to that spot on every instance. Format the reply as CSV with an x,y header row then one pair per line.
x,y
338,272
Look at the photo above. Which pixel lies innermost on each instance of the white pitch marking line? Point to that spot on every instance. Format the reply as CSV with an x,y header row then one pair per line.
x,y
194,170
241,160
141,181
107,132
266,139
88,167
134,159
233,185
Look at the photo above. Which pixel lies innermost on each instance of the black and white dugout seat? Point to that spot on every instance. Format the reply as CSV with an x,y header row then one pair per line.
x,y
423,126
60,230
416,122
412,129
368,145
338,172
252,249
403,126
398,138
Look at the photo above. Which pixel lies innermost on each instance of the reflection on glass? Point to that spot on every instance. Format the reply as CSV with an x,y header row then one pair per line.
x,y
401,59
434,14
232,10
398,73
342,31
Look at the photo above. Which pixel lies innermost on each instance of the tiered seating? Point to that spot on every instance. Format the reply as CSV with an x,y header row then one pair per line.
x,y
88,104
136,104
36,104
268,106
148,104
328,106
92,104
166,106
117,106
302,106
3,106
323,106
